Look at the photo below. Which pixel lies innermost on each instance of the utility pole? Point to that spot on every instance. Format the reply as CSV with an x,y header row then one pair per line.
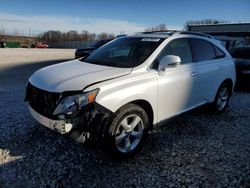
x,y
29,32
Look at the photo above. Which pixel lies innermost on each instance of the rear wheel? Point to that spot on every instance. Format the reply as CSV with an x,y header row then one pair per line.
x,y
222,98
128,130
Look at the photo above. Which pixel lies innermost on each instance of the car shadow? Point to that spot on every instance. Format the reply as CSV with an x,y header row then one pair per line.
x,y
244,87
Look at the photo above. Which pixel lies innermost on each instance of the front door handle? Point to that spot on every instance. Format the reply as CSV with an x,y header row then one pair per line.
x,y
193,74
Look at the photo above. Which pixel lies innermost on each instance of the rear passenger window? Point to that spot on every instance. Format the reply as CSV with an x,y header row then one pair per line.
x,y
203,50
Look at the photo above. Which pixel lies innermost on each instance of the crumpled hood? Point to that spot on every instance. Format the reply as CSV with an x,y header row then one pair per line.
x,y
73,75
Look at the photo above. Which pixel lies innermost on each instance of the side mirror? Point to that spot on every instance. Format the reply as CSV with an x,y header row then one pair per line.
x,y
85,55
169,61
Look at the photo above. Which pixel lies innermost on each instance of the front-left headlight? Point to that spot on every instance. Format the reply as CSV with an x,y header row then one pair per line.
x,y
74,103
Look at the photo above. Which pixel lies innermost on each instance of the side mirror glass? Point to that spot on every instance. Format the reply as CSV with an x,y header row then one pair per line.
x,y
169,61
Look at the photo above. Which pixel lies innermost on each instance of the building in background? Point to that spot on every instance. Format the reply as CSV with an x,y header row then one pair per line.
x,y
231,34
10,41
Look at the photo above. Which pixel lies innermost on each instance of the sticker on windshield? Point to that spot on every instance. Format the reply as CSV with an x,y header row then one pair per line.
x,y
151,39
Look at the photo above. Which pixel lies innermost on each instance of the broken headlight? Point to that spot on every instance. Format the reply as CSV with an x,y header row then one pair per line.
x,y
73,104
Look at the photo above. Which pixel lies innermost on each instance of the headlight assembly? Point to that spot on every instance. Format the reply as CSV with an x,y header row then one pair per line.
x,y
72,104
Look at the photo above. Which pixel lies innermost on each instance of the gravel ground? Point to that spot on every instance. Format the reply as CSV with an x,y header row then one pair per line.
x,y
198,149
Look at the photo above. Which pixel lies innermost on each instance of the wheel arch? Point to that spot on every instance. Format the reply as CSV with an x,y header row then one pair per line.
x,y
145,105
148,109
229,82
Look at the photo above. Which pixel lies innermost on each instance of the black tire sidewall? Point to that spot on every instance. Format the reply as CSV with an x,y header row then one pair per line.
x,y
118,117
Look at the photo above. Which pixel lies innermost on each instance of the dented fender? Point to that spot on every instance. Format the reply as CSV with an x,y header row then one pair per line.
x,y
94,119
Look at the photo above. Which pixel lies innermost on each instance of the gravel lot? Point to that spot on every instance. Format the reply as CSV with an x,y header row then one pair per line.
x,y
198,149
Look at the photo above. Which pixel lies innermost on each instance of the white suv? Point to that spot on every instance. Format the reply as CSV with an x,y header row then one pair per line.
x,y
130,85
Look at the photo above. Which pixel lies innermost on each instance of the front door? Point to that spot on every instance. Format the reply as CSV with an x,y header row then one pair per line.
x,y
178,85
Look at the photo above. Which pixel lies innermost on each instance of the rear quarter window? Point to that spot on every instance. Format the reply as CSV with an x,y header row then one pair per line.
x,y
218,52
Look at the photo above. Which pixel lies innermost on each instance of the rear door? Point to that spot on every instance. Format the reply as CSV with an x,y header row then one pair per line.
x,y
211,69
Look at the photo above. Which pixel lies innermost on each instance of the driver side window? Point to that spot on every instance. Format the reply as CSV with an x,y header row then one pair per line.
x,y
178,47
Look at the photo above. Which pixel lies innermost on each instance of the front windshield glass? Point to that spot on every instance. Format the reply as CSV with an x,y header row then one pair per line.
x,y
124,52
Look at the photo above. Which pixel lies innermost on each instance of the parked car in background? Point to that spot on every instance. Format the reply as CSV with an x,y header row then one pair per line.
x,y
231,42
84,52
39,45
242,63
131,85
2,45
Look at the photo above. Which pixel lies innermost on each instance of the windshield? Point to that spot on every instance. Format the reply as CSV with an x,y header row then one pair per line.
x,y
124,52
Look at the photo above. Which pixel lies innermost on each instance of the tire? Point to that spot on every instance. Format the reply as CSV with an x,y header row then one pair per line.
x,y
222,98
127,131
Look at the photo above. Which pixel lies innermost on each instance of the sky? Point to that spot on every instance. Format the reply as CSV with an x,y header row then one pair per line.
x,y
113,16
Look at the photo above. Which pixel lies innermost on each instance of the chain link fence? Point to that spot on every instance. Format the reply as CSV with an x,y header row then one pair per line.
x,y
72,44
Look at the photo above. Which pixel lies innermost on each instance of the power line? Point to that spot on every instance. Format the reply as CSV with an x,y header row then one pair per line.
x,y
12,21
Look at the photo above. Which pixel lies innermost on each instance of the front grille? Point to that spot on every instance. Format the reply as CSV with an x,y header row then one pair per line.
x,y
43,102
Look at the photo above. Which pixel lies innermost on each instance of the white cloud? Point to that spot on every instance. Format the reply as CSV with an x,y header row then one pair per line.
x,y
16,23
12,23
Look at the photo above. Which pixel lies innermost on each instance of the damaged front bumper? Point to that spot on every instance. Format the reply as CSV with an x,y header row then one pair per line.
x,y
92,118
91,121
60,126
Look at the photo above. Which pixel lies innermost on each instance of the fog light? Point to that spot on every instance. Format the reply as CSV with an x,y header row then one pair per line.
x,y
66,128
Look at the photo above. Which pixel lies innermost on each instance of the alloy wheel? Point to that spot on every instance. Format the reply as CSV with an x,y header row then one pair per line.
x,y
129,133
222,98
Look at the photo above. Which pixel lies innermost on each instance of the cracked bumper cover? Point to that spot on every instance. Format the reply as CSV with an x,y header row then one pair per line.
x,y
60,126
93,119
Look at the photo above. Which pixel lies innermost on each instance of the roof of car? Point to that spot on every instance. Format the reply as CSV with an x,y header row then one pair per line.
x,y
153,34
166,34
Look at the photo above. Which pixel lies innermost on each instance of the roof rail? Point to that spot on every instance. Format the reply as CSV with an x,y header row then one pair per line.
x,y
170,32
197,33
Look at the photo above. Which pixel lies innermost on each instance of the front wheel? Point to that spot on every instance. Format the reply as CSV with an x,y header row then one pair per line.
x,y
128,130
222,98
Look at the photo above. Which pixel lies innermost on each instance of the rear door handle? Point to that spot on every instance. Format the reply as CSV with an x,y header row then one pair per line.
x,y
221,67
193,74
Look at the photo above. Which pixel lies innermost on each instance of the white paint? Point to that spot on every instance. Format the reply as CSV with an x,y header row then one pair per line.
x,y
171,92
73,75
